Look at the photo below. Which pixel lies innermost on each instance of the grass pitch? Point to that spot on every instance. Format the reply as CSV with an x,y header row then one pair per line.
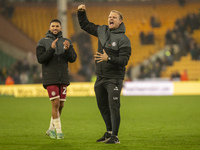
x,y
147,123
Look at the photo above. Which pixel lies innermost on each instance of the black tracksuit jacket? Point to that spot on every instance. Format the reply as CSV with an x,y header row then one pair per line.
x,y
55,61
115,43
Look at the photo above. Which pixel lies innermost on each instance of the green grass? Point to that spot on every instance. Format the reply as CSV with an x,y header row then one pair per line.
x,y
147,123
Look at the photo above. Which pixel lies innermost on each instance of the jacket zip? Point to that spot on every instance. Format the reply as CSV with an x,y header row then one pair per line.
x,y
103,46
58,63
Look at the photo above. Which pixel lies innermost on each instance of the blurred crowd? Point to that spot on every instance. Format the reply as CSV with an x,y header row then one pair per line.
x,y
85,50
181,36
24,72
21,72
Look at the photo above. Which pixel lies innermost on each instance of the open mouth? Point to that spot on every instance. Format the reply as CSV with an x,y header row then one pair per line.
x,y
111,23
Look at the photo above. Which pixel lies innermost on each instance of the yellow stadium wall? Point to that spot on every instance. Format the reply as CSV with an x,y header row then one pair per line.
x,y
37,90
187,88
87,89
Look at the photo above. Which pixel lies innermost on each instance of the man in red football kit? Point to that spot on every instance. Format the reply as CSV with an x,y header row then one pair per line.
x,y
54,52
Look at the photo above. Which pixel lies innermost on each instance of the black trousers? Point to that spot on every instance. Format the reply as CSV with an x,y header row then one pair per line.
x,y
108,100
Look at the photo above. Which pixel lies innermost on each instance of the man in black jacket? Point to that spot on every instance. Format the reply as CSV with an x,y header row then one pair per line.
x,y
114,50
54,52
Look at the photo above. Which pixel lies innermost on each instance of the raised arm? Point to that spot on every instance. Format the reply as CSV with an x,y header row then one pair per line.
x,y
87,26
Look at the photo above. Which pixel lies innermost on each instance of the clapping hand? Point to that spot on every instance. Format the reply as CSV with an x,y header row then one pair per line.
x,y
53,44
66,44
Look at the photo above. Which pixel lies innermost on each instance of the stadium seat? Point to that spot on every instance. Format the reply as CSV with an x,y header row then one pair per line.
x,y
186,63
34,22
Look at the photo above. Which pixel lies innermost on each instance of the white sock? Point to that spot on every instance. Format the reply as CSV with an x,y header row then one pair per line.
x,y
51,126
110,132
57,124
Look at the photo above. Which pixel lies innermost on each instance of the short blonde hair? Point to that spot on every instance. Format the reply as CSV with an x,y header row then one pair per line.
x,y
120,14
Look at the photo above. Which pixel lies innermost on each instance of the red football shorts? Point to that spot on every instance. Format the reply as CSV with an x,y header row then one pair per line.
x,y
57,91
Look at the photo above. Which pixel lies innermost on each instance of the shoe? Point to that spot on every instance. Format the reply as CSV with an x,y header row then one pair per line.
x,y
105,137
60,136
47,132
113,140
52,134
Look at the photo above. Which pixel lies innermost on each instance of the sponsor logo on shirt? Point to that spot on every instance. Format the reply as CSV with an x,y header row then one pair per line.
x,y
114,44
116,89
